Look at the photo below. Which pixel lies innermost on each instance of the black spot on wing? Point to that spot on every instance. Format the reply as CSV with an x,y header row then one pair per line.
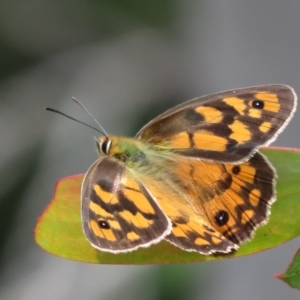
x,y
221,217
258,104
103,224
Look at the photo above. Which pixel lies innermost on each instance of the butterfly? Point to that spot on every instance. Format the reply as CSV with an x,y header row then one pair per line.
x,y
192,176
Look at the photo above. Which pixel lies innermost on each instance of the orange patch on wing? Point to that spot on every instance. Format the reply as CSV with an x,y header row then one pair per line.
x,y
237,103
247,215
247,173
106,197
130,183
239,182
210,114
255,113
98,210
179,231
254,197
139,200
274,107
137,220
267,97
265,127
241,133
132,236
201,242
235,187
115,225
216,240
180,140
207,141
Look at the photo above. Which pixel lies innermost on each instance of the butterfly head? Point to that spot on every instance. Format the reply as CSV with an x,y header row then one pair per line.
x,y
123,149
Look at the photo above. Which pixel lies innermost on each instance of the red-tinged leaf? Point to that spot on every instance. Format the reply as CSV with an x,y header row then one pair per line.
x,y
292,275
58,230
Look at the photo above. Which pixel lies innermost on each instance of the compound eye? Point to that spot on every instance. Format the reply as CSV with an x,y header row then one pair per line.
x,y
105,146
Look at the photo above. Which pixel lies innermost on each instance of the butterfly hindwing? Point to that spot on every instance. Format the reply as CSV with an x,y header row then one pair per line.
x,y
229,204
226,127
193,234
118,214
246,204
191,230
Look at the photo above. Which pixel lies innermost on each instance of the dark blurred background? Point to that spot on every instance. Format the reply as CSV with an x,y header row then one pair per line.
x,y
126,61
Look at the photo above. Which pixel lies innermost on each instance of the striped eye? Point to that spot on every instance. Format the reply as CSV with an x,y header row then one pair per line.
x,y
103,146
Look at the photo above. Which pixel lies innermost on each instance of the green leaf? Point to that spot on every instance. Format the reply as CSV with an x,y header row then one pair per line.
x,y
292,275
58,229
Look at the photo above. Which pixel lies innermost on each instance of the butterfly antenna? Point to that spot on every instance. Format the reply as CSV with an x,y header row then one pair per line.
x,y
82,106
69,117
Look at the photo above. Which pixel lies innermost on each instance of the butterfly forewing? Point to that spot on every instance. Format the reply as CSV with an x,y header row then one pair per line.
x,y
226,127
118,214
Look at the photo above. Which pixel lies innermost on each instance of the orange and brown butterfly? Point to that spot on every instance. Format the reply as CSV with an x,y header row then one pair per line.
x,y
192,176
